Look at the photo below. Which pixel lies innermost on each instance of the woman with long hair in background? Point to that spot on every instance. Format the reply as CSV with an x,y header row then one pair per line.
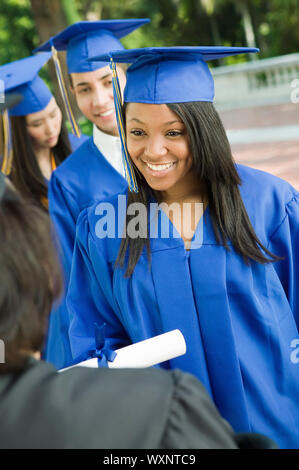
x,y
39,139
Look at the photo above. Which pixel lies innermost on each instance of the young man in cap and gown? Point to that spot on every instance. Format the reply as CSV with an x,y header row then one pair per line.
x,y
95,170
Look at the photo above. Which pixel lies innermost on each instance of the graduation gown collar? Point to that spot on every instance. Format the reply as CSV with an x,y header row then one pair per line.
x,y
203,234
110,148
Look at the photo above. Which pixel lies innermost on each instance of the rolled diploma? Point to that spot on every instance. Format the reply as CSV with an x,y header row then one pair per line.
x,y
145,353
150,352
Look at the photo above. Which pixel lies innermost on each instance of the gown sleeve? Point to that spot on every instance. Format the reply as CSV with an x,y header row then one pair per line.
x,y
285,242
90,298
63,210
193,420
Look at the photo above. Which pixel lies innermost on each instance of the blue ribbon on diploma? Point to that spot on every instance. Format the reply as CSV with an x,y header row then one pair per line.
x,y
104,354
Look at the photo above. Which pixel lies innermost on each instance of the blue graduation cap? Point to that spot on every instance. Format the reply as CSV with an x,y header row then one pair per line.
x,y
81,41
164,75
170,74
85,39
21,76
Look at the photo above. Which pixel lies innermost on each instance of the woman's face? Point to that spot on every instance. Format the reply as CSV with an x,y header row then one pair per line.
x,y
158,145
44,126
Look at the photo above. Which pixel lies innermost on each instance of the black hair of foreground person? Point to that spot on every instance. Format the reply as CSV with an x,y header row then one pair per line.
x,y
82,408
30,277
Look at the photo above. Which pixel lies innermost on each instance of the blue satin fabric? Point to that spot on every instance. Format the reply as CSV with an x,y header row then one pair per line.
x,y
53,330
239,321
102,353
76,141
21,76
155,72
83,177
85,39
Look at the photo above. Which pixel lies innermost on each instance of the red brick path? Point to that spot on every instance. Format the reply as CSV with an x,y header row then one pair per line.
x,y
278,158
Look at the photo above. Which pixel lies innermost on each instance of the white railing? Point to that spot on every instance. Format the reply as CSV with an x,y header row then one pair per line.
x,y
261,82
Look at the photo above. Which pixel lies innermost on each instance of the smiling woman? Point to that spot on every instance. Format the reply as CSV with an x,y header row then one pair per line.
x,y
234,295
159,147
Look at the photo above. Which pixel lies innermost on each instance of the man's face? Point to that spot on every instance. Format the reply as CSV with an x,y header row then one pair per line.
x,y
94,96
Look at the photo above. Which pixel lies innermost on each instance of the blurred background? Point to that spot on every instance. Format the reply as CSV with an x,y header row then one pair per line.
x,y
257,95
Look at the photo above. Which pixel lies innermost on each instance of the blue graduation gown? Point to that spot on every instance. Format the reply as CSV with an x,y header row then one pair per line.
x,y
239,322
76,141
83,177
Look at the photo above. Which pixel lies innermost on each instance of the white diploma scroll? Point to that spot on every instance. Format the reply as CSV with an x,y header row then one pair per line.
x,y
150,352
145,353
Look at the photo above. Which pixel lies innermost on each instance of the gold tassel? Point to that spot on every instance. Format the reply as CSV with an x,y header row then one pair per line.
x,y
7,154
127,164
67,105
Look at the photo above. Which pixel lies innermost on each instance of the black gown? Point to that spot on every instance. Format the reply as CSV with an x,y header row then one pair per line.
x,y
84,408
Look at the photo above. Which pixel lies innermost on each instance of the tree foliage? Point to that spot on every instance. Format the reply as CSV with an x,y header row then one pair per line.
x,y
271,25
274,24
17,30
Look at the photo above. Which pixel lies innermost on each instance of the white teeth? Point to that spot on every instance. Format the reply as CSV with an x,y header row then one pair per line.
x,y
107,113
159,167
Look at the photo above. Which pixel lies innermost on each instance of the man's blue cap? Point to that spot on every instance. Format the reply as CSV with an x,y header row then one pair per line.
x,y
86,39
170,74
22,77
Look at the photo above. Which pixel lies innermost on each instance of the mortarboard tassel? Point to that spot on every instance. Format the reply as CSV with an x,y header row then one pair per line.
x,y
7,151
75,128
129,170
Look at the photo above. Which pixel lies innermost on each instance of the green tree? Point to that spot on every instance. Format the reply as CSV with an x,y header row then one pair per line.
x,y
52,16
272,25
18,34
243,7
282,19
210,6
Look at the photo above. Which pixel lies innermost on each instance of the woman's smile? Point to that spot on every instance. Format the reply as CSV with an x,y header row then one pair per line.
x,y
159,169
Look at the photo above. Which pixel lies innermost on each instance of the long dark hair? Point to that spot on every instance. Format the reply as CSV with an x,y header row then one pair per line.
x,y
26,174
214,165
30,277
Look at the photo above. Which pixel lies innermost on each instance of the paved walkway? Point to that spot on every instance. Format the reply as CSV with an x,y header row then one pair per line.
x,y
266,138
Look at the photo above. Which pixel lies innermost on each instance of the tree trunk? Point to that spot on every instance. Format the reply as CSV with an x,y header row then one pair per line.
x,y
50,17
215,31
243,8
91,10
